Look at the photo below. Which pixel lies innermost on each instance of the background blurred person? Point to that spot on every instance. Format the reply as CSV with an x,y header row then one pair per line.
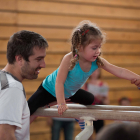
x,y
58,124
120,131
125,101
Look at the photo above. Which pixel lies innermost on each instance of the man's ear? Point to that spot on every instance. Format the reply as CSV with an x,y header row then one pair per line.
x,y
19,59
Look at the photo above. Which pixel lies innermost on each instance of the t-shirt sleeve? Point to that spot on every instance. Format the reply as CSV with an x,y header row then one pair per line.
x,y
11,106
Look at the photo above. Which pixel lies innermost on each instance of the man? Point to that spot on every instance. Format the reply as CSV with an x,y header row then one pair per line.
x,y
26,51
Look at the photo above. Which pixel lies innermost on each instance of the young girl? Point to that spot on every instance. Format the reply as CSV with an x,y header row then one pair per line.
x,y
75,68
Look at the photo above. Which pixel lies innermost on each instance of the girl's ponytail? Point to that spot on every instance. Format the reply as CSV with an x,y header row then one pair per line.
x,y
76,42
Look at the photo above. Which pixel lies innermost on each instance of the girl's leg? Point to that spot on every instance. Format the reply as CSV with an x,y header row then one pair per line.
x,y
85,98
82,97
81,123
39,99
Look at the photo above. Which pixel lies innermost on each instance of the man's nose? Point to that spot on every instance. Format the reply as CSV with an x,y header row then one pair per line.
x,y
43,64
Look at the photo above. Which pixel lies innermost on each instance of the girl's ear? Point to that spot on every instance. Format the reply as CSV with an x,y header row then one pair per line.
x,y
81,48
19,59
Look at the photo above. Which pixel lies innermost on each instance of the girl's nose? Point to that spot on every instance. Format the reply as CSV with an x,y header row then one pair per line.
x,y
98,51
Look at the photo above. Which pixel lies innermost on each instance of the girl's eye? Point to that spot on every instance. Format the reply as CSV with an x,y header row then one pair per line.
x,y
94,48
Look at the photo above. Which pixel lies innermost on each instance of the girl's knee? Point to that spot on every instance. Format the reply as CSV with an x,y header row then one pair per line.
x,y
90,101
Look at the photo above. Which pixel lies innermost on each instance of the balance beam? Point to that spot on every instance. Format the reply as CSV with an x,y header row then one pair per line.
x,y
93,112
102,107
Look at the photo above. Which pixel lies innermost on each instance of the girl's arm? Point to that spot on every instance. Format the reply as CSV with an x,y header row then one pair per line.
x,y
60,80
118,71
136,82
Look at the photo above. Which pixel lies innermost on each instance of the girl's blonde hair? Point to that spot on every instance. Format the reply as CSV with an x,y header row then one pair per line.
x,y
83,35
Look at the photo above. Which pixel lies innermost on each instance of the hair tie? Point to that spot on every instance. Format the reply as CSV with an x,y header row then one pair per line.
x,y
79,30
75,56
85,32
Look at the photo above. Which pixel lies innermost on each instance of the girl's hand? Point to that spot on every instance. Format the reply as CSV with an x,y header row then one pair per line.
x,y
136,82
62,108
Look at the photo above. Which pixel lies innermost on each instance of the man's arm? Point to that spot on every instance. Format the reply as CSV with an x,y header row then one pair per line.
x,y
7,132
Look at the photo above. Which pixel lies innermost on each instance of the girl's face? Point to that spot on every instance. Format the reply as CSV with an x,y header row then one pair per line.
x,y
91,51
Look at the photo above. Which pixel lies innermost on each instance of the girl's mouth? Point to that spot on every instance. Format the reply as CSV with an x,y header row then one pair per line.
x,y
95,57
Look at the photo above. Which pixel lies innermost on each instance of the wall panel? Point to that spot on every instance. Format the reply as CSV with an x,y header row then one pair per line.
x,y
77,9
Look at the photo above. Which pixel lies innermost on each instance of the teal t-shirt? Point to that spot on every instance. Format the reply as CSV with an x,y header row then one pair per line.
x,y
74,81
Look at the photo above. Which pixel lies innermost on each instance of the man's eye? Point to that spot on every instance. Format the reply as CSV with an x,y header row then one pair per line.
x,y
38,59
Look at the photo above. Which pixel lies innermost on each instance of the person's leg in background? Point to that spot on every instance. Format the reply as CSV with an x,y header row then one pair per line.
x,y
56,128
98,125
68,127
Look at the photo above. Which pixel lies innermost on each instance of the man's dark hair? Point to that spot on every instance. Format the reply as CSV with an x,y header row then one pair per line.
x,y
22,43
120,131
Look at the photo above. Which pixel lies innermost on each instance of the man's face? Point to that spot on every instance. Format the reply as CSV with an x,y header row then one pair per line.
x,y
30,70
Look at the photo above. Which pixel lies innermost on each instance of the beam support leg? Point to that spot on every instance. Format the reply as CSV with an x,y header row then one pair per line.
x,y
87,132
